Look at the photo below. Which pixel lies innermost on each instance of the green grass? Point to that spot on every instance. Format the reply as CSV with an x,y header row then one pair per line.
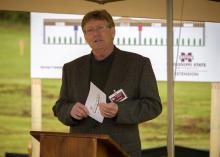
x,y
191,102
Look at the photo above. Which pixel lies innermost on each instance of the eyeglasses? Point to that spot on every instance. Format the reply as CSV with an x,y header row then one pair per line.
x,y
96,29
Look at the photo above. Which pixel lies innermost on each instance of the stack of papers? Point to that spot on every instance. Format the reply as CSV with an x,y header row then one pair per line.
x,y
95,97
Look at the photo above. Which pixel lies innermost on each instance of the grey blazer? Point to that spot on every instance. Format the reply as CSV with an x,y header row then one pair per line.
x,y
132,73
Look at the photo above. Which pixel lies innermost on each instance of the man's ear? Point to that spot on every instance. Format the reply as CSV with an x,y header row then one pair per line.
x,y
85,38
113,32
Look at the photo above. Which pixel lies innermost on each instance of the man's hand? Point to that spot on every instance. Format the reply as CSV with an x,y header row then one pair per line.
x,y
79,111
108,110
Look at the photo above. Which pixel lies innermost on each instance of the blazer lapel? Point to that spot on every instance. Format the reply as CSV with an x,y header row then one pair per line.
x,y
83,74
117,73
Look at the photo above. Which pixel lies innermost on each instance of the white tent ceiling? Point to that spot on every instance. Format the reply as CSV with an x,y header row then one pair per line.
x,y
199,10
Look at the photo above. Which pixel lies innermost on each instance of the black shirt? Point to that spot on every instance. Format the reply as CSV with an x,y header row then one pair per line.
x,y
100,70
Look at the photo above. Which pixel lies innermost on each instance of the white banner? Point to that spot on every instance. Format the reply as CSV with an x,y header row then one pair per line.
x,y
58,38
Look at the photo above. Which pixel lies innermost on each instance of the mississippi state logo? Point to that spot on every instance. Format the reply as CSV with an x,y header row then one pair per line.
x,y
186,57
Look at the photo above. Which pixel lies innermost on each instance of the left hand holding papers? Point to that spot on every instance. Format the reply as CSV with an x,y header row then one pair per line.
x,y
108,110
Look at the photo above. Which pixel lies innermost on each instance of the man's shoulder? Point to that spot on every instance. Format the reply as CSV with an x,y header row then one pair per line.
x,y
127,55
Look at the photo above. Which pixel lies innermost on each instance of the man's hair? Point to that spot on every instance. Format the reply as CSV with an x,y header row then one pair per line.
x,y
98,15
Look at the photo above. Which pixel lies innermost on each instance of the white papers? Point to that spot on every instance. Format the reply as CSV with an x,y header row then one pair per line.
x,y
95,97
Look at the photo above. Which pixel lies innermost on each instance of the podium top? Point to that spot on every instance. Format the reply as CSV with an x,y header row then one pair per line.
x,y
106,139
38,134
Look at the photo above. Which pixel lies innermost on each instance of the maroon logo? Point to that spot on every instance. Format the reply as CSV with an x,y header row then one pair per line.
x,y
186,57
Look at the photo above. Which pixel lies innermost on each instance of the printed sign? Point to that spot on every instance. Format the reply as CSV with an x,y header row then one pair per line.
x,y
58,38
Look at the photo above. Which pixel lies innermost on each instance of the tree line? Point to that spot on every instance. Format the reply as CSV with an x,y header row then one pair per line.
x,y
15,16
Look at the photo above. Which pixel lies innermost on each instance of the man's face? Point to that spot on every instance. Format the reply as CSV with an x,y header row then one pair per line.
x,y
99,35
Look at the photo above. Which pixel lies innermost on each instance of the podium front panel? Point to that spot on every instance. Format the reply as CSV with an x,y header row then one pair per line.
x,y
67,147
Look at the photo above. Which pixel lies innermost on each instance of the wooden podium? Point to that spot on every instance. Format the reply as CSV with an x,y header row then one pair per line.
x,y
56,144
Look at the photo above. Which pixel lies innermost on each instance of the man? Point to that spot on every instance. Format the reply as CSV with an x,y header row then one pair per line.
x,y
110,69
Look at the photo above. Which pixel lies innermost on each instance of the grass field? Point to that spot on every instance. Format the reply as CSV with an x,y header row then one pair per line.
x,y
192,102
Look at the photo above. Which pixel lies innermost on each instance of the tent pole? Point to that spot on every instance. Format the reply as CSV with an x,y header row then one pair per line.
x,y
215,121
170,85
36,114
